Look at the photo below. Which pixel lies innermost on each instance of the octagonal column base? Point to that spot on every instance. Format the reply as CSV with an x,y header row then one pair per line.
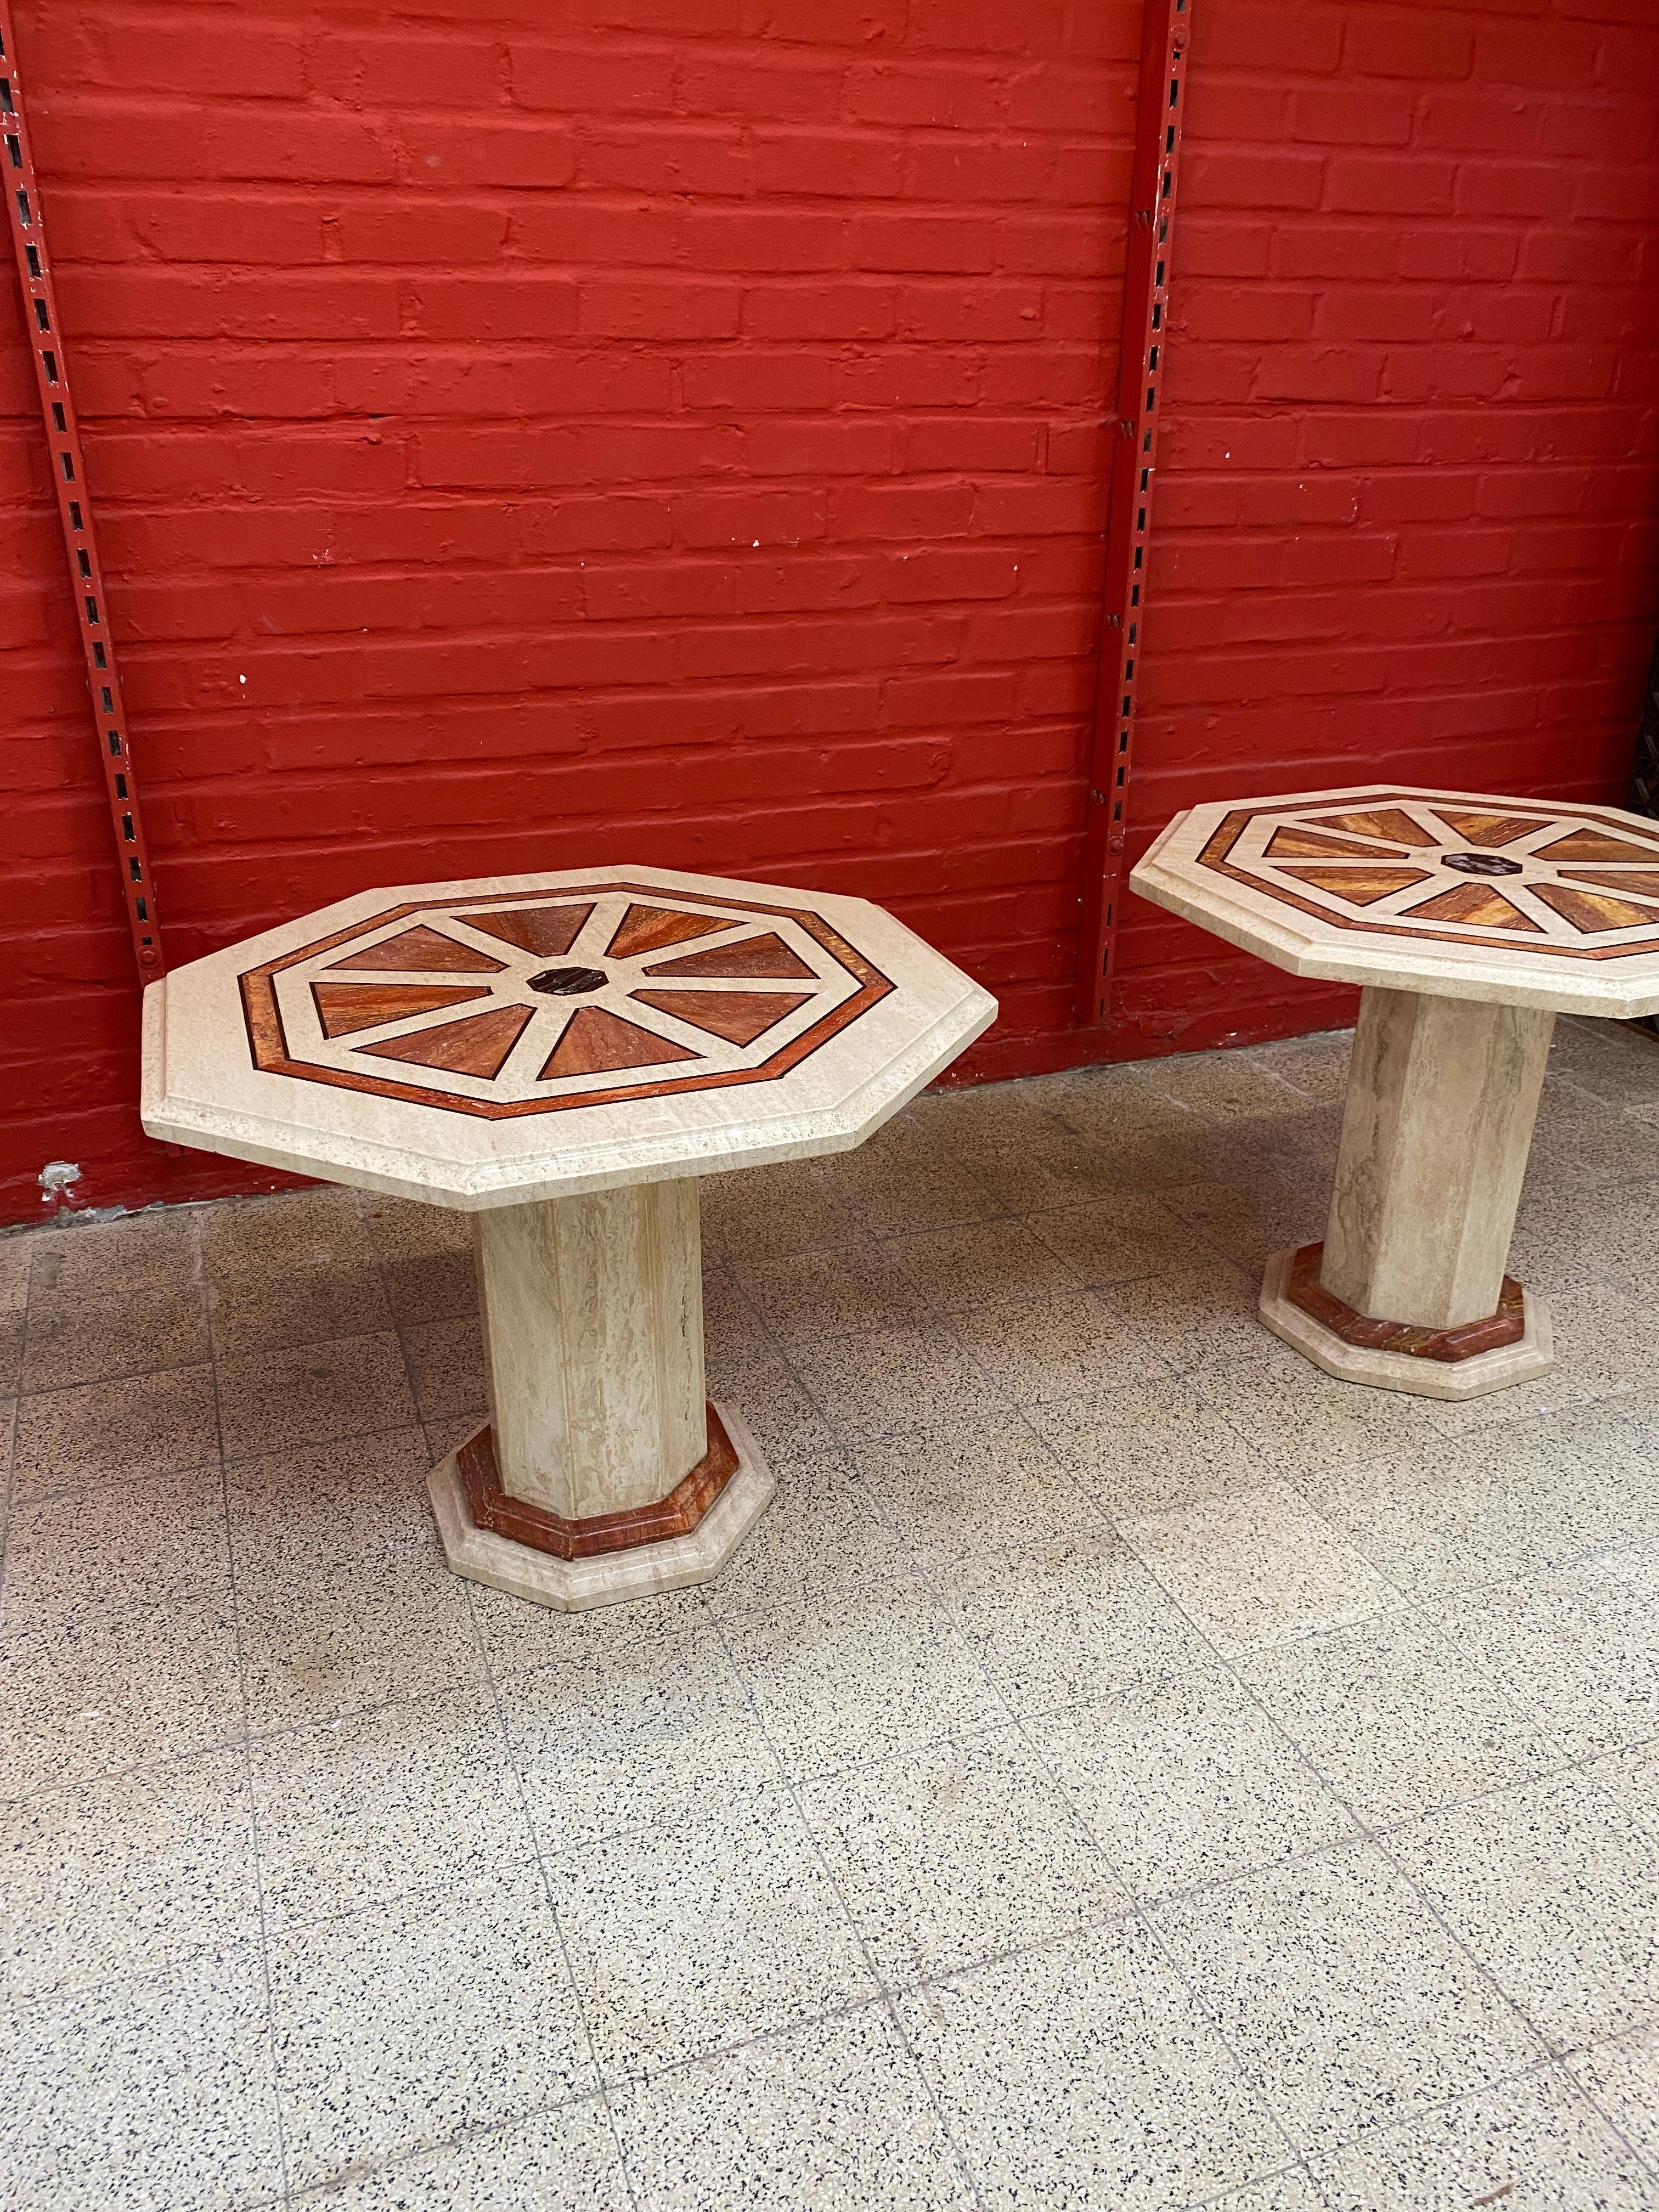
x,y
1436,1369
610,1576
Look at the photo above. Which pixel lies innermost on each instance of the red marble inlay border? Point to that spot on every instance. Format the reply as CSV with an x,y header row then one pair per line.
x,y
1507,1325
676,1515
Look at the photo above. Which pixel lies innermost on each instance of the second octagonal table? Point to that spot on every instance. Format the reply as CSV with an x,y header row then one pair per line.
x,y
1469,921
563,1056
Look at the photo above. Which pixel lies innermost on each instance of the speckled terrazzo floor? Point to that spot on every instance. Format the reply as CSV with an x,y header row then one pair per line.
x,y
1126,1768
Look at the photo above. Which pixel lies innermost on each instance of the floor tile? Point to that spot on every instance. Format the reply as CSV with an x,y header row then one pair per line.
x,y
1257,1567
1053,1348
1290,2192
1142,1447
319,1643
398,2026
1578,1143
291,1270
1631,1776
1246,1222
1554,1888
564,2160
122,1548
447,1367
1457,1511
773,1211
1177,1147
784,1420
154,2096
979,1263
1558,1245
898,1190
1301,1421
1113,1105
1393,1716
119,1431
896,1378
1533,2145
1614,1230
1194,1313
833,2116
842,1290
1612,1061
1605,1343
1056,1624
1343,1994
425,1256
1044,1172
1578,1647
405,1797
906,1200
115,1298
658,1733
958,1853
953,1491
16,1251
1621,2079
735,1338
688,1941
317,1507
1317,1064
1128,1235
105,1694
1227,1087
1183,1779
515,1637
126,1875
859,1669
285,1400
1086,2074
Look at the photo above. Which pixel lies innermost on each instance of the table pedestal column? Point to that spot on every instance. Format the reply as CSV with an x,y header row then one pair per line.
x,y
1408,1290
603,1473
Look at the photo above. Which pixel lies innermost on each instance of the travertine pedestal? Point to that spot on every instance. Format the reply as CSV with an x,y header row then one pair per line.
x,y
1408,1290
604,1472
564,1056
1469,921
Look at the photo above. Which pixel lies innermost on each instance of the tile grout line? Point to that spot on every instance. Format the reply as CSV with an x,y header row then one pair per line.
x,y
958,2152
601,2086
246,1745
509,1756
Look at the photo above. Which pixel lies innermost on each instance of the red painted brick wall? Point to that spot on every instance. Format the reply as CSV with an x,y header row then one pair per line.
x,y
673,430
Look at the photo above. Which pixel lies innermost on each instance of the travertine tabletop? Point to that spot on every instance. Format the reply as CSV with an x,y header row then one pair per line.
x,y
562,1055
1468,921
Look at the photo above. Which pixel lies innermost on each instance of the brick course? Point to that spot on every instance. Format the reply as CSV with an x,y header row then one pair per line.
x,y
676,431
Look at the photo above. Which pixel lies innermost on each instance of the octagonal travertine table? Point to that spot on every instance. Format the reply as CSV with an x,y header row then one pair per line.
x,y
1469,921
563,1056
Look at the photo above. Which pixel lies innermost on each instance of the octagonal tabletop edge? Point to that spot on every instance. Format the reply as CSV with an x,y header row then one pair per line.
x,y
498,1040
1541,904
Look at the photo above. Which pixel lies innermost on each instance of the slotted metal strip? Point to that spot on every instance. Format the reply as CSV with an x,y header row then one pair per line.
x,y
1134,469
74,504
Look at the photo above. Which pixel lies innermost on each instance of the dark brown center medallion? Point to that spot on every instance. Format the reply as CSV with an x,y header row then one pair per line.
x,y
569,982
1480,863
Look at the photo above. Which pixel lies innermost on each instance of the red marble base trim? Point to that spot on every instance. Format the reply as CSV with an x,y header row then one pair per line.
x,y
1507,1325
676,1515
